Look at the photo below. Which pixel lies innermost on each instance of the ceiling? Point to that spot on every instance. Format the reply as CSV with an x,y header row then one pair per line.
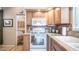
x,y
37,9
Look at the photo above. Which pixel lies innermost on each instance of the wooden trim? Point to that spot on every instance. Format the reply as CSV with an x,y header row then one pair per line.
x,y
26,42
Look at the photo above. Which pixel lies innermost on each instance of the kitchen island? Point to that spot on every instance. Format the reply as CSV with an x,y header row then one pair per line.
x,y
57,42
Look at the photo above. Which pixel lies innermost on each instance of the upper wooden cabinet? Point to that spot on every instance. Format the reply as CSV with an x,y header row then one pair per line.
x,y
31,14
29,18
38,14
54,16
64,15
51,17
46,17
57,12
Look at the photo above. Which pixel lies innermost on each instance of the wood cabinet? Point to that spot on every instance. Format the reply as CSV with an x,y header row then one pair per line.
x,y
31,14
29,18
54,16
51,17
1,26
46,17
56,46
64,15
52,45
26,42
49,42
38,14
61,15
57,15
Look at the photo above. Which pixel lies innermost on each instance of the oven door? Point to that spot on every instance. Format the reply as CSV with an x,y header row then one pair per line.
x,y
37,40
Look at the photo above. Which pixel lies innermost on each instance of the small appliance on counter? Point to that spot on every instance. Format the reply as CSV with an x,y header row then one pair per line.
x,y
51,28
64,30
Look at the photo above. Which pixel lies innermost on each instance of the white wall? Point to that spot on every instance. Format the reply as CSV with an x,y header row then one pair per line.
x,y
75,22
9,33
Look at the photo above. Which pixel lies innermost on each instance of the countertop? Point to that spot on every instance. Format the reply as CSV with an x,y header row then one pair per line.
x,y
70,43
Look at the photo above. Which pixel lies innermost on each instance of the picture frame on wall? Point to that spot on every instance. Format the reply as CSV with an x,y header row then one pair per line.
x,y
8,22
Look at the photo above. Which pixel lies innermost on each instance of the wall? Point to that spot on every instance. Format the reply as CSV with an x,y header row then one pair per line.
x,y
71,17
9,33
75,22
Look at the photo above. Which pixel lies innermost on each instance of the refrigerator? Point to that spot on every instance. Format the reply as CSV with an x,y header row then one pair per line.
x,y
38,37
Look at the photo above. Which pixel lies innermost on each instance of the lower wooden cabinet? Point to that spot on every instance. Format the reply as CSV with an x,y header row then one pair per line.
x,y
49,43
52,45
26,42
56,46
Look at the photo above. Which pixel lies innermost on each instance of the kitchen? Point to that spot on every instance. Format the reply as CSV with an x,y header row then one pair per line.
x,y
43,29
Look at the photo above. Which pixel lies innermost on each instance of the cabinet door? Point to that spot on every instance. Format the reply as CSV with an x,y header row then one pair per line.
x,y
52,45
57,15
58,47
38,14
64,15
46,17
51,17
1,26
29,18
49,43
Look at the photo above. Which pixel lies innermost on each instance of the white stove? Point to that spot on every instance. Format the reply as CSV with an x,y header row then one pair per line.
x,y
37,35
